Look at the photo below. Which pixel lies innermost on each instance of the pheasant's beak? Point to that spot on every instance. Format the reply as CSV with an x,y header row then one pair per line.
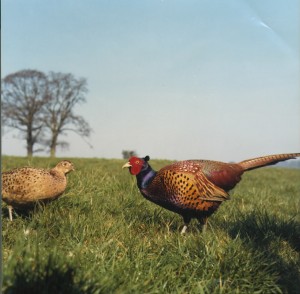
x,y
127,164
71,169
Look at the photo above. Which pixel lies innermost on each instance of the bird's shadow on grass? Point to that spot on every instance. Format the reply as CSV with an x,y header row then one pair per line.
x,y
24,214
261,228
52,277
271,235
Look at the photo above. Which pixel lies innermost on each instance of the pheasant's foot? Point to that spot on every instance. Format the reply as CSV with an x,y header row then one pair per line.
x,y
203,224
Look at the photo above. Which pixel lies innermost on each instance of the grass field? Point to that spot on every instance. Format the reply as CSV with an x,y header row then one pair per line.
x,y
102,236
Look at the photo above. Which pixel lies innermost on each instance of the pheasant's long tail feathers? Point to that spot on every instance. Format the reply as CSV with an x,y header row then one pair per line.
x,y
266,160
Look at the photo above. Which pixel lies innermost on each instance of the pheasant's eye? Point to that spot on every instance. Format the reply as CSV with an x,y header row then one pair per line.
x,y
137,162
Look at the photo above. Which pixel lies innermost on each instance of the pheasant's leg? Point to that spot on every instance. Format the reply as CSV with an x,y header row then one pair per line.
x,y
183,229
186,220
203,224
10,212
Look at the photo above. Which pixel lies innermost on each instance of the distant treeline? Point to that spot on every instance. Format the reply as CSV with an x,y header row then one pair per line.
x,y
294,163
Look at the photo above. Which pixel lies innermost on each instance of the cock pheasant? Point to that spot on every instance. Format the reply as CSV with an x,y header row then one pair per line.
x,y
23,187
194,188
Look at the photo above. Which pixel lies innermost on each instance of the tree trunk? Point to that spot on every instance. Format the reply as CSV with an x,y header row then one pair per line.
x,y
29,143
53,145
52,152
29,151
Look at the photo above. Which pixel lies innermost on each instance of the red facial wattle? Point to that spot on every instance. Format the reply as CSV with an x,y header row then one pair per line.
x,y
136,165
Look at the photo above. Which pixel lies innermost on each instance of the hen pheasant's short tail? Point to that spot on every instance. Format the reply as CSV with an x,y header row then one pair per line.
x,y
266,160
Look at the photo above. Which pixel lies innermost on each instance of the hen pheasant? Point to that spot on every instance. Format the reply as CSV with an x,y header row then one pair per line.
x,y
23,187
194,188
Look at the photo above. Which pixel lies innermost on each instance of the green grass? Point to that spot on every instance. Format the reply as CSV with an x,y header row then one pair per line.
x,y
102,236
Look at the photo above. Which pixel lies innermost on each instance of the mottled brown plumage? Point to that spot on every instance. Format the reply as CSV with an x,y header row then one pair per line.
x,y
194,188
23,187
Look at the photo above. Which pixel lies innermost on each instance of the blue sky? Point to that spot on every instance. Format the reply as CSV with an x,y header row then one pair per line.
x,y
173,79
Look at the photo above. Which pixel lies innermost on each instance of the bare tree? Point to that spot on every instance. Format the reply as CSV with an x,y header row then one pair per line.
x,y
24,95
128,153
65,92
